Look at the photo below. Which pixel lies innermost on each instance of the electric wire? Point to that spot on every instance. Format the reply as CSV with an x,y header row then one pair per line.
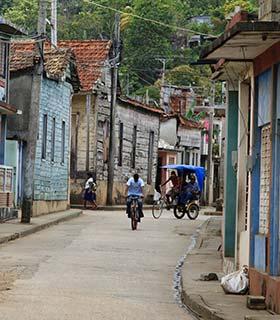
x,y
150,20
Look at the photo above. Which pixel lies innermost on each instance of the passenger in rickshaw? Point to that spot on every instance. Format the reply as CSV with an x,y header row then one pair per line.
x,y
190,191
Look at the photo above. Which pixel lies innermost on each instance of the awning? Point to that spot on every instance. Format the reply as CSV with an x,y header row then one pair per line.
x,y
6,108
9,29
244,41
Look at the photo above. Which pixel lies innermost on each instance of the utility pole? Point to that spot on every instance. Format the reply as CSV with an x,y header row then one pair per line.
x,y
114,88
54,23
163,61
33,128
209,188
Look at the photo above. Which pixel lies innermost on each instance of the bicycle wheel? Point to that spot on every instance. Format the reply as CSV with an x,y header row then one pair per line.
x,y
193,211
177,213
134,220
157,209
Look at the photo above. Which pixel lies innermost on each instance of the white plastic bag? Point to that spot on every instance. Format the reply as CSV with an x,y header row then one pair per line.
x,y
157,195
236,282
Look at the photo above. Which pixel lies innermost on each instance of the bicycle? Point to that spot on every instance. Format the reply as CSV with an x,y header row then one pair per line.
x,y
159,205
134,212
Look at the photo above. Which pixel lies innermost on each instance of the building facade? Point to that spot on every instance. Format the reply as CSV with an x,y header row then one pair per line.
x,y
251,211
44,129
90,118
137,137
8,178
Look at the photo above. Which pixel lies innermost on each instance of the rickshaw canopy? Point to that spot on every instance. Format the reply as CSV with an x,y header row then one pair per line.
x,y
187,169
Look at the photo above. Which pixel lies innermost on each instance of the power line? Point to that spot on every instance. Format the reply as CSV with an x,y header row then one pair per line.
x,y
150,20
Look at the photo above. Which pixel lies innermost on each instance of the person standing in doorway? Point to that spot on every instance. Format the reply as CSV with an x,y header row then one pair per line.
x,y
90,192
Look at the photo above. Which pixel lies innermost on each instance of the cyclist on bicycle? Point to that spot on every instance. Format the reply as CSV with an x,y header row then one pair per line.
x,y
176,186
134,188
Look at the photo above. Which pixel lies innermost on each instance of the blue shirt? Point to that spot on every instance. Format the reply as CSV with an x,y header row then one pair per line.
x,y
135,188
191,187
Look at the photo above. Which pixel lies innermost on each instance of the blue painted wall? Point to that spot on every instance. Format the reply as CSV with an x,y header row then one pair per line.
x,y
274,266
51,178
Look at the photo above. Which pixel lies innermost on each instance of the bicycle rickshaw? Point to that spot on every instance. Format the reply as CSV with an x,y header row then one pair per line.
x,y
190,208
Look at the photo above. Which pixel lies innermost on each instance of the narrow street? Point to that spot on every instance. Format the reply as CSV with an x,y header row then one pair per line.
x,y
95,267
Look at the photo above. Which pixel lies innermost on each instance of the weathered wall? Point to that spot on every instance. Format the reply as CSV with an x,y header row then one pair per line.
x,y
51,177
94,125
145,122
103,104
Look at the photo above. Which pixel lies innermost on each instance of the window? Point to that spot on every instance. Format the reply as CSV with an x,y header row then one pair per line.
x,y
2,59
44,136
187,157
63,142
53,140
150,157
171,160
120,157
134,142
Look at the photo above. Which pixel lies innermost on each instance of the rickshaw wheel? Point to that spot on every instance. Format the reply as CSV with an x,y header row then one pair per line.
x,y
193,211
179,214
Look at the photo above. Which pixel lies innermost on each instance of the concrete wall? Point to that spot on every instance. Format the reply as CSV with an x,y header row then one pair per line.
x,y
51,177
168,131
146,122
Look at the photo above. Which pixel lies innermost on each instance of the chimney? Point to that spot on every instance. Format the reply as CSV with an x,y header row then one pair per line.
x,y
269,10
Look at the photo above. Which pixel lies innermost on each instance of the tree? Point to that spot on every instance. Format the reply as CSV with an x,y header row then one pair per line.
x,y
248,5
145,42
24,13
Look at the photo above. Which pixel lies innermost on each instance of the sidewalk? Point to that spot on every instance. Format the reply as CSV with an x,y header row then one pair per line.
x,y
13,229
207,298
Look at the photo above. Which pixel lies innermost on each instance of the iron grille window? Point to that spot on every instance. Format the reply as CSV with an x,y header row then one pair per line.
x,y
150,157
63,142
44,136
120,157
53,140
134,142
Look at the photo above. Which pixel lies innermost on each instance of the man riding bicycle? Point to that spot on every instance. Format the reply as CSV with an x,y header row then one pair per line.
x,y
134,188
176,187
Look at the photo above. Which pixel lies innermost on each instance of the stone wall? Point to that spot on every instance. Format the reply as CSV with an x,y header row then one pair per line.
x,y
51,177
146,122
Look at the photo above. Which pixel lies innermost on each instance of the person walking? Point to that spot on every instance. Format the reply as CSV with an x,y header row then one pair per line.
x,y
90,192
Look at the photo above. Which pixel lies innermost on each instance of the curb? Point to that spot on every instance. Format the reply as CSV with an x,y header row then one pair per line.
x,y
109,208
179,292
192,302
196,305
40,227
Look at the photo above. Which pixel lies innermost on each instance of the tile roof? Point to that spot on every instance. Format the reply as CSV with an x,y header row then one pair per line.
x,y
91,55
189,124
24,56
140,105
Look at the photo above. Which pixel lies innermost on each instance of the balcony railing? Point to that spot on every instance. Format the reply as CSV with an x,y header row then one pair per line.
x,y
6,187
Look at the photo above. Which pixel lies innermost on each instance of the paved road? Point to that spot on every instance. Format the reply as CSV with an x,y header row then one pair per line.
x,y
94,267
